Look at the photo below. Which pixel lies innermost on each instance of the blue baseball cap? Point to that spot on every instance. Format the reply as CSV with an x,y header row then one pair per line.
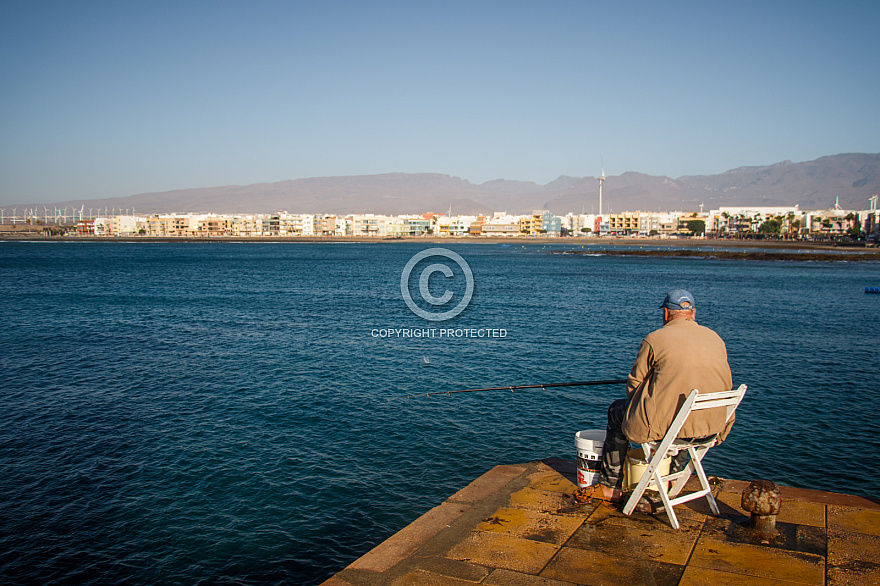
x,y
678,299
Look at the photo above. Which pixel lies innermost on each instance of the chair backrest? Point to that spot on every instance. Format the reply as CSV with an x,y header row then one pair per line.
x,y
730,399
696,401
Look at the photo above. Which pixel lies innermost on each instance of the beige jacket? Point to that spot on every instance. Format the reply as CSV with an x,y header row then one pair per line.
x,y
679,357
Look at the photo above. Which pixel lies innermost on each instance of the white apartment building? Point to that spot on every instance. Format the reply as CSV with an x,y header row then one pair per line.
x,y
746,218
174,224
119,225
454,225
368,225
577,223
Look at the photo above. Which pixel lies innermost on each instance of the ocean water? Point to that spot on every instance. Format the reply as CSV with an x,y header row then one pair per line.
x,y
230,412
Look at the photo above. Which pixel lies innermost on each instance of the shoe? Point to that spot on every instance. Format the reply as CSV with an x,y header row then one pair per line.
x,y
596,492
645,506
648,506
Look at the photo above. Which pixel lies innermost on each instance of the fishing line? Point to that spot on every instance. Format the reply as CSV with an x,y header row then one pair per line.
x,y
589,383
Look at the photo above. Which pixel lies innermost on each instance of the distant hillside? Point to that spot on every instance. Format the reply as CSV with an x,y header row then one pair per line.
x,y
812,185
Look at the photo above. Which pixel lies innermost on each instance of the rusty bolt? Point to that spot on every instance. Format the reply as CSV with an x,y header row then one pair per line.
x,y
763,500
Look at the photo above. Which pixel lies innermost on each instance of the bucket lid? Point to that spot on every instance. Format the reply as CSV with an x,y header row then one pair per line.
x,y
594,435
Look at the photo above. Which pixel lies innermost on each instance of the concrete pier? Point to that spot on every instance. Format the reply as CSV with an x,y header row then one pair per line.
x,y
516,525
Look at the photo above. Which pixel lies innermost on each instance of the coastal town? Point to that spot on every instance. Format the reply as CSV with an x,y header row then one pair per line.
x,y
781,222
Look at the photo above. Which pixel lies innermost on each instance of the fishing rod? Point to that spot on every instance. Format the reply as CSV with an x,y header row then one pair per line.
x,y
588,383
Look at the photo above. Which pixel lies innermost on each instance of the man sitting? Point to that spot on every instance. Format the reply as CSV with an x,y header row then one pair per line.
x,y
679,357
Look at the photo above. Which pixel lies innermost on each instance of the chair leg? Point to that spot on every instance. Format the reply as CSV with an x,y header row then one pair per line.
x,y
673,520
645,480
637,494
678,485
696,458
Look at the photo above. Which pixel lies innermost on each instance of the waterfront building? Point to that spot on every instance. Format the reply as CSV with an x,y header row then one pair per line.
x,y
834,221
286,224
649,224
684,220
476,227
245,226
326,225
499,224
130,225
172,224
668,222
540,222
419,225
871,220
369,225
396,227
577,224
748,219
85,227
530,225
454,226
214,226
551,224
493,229
624,223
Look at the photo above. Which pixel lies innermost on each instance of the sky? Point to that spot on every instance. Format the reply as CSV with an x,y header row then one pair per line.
x,y
106,99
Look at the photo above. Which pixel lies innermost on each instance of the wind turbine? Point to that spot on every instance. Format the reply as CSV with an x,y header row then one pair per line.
x,y
13,215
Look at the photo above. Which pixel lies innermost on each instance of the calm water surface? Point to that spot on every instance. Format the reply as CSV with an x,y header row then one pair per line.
x,y
185,413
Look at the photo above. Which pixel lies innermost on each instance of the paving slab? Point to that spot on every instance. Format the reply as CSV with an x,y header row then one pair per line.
x,y
487,484
453,568
701,577
590,567
527,524
758,561
641,543
425,578
854,520
508,578
503,551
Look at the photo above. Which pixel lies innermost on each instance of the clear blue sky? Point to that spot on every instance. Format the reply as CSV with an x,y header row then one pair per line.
x,y
112,98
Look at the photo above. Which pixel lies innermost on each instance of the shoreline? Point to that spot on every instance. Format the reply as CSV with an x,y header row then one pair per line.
x,y
745,254
576,241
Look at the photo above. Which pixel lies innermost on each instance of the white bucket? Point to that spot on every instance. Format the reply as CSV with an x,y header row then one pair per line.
x,y
636,465
589,455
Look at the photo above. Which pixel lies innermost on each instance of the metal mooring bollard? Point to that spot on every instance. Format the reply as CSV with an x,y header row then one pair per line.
x,y
763,500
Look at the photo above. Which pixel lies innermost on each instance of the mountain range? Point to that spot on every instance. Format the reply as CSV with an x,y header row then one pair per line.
x,y
850,178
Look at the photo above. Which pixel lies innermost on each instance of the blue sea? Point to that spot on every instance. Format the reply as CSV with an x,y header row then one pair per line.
x,y
185,413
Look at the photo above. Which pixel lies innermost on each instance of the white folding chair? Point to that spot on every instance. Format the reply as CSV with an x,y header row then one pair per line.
x,y
655,452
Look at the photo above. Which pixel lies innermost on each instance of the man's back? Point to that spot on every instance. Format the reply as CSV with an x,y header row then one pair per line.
x,y
679,357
